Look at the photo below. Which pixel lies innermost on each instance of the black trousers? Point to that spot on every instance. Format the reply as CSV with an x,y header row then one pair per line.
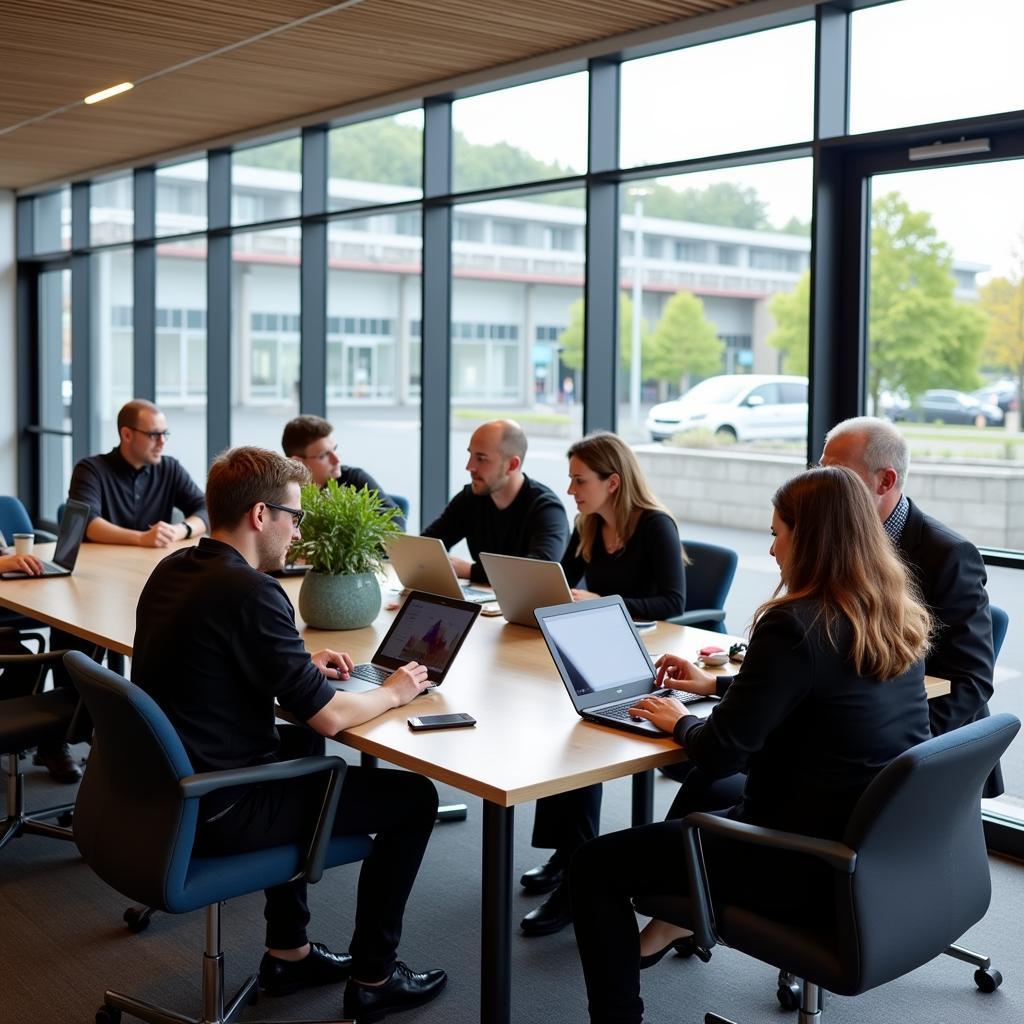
x,y
701,793
566,821
399,807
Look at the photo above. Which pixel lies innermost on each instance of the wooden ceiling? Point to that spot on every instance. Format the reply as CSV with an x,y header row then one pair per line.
x,y
55,52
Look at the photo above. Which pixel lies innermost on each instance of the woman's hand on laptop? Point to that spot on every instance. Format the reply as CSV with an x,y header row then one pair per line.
x,y
583,595
407,682
333,664
675,673
662,712
28,564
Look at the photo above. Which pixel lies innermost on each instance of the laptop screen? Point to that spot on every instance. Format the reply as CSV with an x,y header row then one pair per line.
x,y
599,651
72,530
429,629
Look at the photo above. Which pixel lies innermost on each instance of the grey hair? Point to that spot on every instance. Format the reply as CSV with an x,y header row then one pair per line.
x,y
885,446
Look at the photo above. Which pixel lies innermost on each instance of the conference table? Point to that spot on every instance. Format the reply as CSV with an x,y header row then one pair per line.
x,y
528,742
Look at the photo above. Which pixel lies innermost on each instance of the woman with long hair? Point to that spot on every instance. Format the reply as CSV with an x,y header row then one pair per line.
x,y
830,691
625,542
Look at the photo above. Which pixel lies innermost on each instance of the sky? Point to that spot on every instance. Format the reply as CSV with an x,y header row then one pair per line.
x,y
913,62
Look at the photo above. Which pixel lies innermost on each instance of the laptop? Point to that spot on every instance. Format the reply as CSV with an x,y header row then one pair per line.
x,y
428,628
604,664
524,584
69,540
422,564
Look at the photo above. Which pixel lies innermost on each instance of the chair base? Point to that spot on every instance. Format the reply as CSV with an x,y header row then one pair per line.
x,y
810,1008
18,823
986,977
452,812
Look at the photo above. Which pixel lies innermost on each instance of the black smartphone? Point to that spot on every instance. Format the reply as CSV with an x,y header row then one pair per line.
x,y
424,722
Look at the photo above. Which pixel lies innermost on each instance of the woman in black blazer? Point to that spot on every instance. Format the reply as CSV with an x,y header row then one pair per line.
x,y
624,542
831,690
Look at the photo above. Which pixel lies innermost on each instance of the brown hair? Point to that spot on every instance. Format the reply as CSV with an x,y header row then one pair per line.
x,y
301,432
841,557
241,477
604,453
128,416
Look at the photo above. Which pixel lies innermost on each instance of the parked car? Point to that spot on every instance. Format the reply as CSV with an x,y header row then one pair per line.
x,y
942,406
740,407
1002,393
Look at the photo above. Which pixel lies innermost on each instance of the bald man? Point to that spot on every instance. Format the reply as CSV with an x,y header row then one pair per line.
x,y
501,509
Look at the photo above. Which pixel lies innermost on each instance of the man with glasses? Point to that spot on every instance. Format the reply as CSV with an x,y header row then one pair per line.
x,y
133,489
310,440
216,647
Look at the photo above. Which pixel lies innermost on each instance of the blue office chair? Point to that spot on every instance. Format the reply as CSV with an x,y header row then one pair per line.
x,y
14,519
708,579
1000,624
402,503
909,877
135,824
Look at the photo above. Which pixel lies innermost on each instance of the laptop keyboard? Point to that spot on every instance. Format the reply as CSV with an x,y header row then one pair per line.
x,y
621,711
371,673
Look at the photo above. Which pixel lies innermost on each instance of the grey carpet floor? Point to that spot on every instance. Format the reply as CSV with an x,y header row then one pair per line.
x,y
62,943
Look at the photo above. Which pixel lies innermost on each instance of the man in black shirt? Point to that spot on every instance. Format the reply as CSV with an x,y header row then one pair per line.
x,y
216,646
133,489
501,509
310,440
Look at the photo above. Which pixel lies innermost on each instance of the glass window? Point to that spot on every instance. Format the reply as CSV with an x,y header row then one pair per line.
x,y
111,210
112,282
51,221
706,311
517,330
54,389
181,197
921,61
181,349
373,162
698,101
264,334
373,351
266,182
526,133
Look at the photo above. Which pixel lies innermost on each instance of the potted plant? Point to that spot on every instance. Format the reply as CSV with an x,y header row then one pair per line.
x,y
343,535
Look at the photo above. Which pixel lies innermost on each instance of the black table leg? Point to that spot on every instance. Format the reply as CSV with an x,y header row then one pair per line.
x,y
643,798
367,760
496,924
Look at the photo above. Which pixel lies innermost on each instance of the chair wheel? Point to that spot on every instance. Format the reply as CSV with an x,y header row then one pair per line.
x,y
108,1015
788,995
65,819
989,980
137,919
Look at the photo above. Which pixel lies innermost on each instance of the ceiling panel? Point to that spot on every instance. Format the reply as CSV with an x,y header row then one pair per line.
x,y
53,54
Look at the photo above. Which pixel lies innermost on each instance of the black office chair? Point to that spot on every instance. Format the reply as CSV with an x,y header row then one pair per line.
x,y
708,579
25,722
135,824
909,878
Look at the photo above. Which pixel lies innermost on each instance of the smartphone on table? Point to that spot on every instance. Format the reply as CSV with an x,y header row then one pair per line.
x,y
422,723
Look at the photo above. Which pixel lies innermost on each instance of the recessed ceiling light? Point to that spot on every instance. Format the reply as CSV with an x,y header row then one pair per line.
x,y
105,94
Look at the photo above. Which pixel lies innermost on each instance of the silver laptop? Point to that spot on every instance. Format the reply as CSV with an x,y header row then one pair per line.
x,y
522,585
429,629
604,664
69,540
422,564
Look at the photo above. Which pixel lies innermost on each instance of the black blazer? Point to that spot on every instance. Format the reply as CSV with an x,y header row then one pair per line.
x,y
949,570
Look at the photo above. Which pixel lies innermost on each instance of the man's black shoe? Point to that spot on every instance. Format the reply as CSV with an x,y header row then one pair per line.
x,y
402,991
551,916
543,878
319,967
57,759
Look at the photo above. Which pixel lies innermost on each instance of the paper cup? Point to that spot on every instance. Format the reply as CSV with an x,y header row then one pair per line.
x,y
23,543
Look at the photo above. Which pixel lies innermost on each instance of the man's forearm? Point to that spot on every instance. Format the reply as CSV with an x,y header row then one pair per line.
x,y
101,531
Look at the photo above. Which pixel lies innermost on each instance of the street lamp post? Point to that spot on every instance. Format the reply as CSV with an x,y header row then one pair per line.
x,y
638,298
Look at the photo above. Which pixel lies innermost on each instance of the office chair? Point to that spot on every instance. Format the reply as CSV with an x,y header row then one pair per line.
x,y
15,519
708,579
26,722
908,879
402,503
135,824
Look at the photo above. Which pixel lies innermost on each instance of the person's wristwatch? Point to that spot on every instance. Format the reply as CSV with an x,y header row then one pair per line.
x,y
188,530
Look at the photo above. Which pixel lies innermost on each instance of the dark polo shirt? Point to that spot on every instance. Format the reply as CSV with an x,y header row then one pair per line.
x,y
135,499
353,476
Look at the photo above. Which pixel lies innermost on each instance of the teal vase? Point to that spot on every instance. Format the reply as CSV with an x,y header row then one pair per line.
x,y
339,602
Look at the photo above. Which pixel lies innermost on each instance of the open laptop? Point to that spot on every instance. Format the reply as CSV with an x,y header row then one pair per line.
x,y
69,540
422,564
604,663
429,629
524,584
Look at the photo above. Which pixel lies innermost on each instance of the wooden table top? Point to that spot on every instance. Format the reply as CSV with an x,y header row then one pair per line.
x,y
528,741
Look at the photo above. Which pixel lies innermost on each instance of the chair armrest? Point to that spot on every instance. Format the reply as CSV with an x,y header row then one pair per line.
x,y
694,615
209,782
836,855
45,537
40,660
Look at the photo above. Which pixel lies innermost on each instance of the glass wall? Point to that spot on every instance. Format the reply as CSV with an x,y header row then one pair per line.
x,y
181,197
111,210
51,221
266,182
54,388
112,335
374,162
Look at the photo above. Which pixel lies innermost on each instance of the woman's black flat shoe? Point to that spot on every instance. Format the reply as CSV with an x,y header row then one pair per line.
x,y
684,947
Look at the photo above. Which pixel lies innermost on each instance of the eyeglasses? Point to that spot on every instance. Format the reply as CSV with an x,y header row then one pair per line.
x,y
297,514
322,456
153,435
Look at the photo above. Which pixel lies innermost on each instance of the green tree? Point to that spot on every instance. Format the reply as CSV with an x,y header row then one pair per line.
x,y
571,339
1002,299
919,335
684,342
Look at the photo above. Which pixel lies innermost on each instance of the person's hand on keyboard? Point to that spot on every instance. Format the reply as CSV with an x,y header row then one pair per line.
x,y
662,712
407,682
675,673
333,664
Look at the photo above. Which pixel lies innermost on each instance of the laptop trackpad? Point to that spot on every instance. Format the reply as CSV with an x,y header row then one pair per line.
x,y
353,685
